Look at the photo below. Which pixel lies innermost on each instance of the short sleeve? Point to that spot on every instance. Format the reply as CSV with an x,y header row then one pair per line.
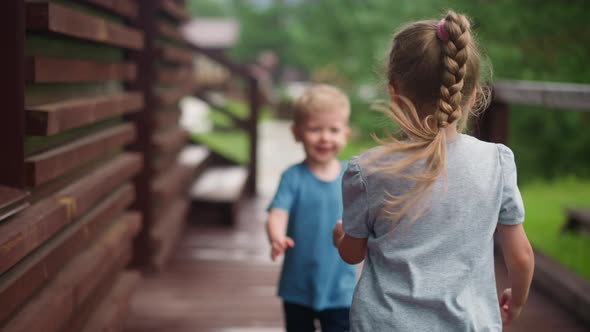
x,y
512,207
285,194
355,218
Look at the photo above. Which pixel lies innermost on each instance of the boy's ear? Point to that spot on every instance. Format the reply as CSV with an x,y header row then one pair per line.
x,y
295,132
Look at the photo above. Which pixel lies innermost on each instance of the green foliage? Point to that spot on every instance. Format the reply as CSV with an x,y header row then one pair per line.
x,y
544,203
233,145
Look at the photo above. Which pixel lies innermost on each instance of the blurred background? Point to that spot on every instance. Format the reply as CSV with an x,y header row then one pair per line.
x,y
346,43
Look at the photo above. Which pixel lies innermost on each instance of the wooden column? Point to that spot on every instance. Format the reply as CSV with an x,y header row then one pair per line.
x,y
12,94
254,96
145,61
492,126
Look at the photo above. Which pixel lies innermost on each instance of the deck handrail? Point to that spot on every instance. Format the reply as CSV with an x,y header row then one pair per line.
x,y
570,96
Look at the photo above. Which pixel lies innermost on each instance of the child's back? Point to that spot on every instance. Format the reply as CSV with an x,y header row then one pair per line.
x,y
443,261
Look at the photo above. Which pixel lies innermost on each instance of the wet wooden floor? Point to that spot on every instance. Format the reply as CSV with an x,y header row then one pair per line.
x,y
220,279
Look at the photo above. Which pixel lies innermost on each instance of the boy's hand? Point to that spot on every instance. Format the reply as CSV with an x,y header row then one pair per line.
x,y
337,234
279,246
508,310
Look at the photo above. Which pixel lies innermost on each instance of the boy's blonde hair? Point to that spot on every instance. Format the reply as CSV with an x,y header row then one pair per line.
x,y
320,98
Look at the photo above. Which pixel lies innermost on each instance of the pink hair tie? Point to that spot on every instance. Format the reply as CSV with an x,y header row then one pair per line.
x,y
441,31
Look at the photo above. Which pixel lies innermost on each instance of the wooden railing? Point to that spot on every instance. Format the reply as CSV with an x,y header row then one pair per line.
x,y
493,125
566,288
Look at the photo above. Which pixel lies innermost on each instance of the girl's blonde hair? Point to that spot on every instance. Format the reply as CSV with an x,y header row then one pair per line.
x,y
434,68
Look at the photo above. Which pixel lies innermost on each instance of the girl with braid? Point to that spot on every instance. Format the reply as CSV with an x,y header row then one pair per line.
x,y
421,210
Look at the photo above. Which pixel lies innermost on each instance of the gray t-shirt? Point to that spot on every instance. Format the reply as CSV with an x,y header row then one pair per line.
x,y
435,273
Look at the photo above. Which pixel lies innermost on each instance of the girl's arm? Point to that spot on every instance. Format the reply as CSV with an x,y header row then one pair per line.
x,y
520,262
352,250
276,229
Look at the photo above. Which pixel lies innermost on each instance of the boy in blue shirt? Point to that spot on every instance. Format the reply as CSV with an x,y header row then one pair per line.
x,y
315,283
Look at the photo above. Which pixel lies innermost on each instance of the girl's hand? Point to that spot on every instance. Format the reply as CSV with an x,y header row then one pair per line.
x,y
337,234
508,310
279,246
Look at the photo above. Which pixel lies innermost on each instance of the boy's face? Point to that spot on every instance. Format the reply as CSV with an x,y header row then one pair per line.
x,y
323,135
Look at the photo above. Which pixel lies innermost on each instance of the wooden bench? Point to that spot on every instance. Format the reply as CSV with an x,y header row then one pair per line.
x,y
217,193
578,220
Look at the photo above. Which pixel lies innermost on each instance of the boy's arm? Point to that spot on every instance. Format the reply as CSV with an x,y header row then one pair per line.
x,y
276,229
520,262
352,250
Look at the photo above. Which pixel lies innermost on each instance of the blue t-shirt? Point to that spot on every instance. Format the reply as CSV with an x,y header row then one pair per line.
x,y
313,273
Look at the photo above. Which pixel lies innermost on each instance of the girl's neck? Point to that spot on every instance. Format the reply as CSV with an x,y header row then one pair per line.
x,y
451,132
324,171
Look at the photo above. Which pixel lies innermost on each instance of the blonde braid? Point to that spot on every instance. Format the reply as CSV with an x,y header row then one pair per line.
x,y
454,58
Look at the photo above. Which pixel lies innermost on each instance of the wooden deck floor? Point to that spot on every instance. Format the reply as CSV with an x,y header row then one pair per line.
x,y
220,279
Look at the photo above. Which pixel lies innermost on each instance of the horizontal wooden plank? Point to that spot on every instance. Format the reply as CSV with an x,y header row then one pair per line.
x,y
57,302
51,164
41,69
168,30
51,17
170,141
53,118
111,313
169,97
20,283
166,119
171,183
126,8
174,10
12,201
546,94
165,232
28,230
180,76
177,55
85,311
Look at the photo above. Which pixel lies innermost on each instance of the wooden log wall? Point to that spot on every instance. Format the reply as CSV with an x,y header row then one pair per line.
x,y
90,91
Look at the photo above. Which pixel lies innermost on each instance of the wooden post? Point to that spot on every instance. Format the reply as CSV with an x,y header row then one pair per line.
x,y
254,96
492,126
143,120
12,94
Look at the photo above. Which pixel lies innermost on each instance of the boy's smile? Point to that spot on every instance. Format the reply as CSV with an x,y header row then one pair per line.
x,y
323,135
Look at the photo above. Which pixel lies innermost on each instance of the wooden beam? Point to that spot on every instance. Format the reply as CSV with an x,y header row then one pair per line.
x,y
177,55
546,94
51,17
169,227
29,229
57,302
111,313
174,10
12,201
166,119
20,283
170,31
53,118
169,97
181,76
125,8
171,183
144,122
12,85
41,69
170,141
51,164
